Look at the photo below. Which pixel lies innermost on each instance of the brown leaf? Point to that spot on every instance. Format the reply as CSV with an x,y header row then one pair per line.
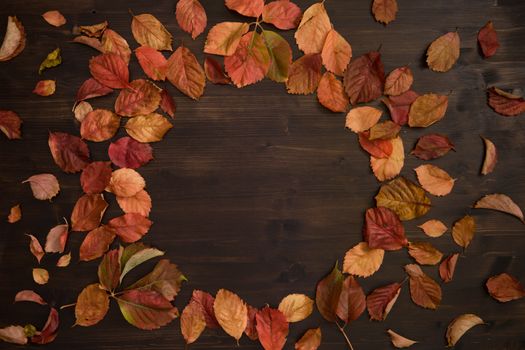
x,y
296,307
363,261
14,39
130,227
399,106
313,29
424,253
148,128
504,288
44,186
224,37
231,313
505,103
383,229
57,238
427,109
491,157
327,294
139,203
69,152
215,72
64,260
109,270
459,326
96,243
364,78
463,231
186,73
191,17
386,130
352,300
304,75
399,341
110,70
362,118
311,340
126,182
88,212
45,88
447,267
167,103
92,305
424,291
52,59
331,93
36,248
153,63
283,14
40,276
488,40
443,52
432,146
113,42
142,98
29,295
405,198
206,300
272,328
192,322
249,8
99,125
390,167
128,153
398,81
10,124
15,214
434,180
433,228
14,335
92,88
384,10
380,302
148,31
377,148
336,53
95,177
500,202
55,18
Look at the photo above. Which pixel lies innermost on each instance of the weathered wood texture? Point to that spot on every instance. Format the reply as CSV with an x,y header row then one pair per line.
x,y
261,192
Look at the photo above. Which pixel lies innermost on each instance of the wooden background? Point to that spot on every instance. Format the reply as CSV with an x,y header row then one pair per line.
x,y
260,192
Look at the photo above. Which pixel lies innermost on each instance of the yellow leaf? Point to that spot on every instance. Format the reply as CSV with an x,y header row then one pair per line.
x,y
40,276
53,59
363,261
463,231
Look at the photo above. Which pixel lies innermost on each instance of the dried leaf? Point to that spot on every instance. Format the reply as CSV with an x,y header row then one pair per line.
x,y
398,81
69,152
92,305
44,186
399,341
148,31
304,75
153,63
311,340
463,231
192,322
363,261
95,177
167,103
40,276
249,8
50,330
380,302
81,110
388,168
386,130
140,203
52,59
296,307
10,124
88,212
362,118
447,267
434,180
427,109
142,98
352,300
96,243
336,53
205,301
405,198
488,40
500,202
15,214
128,153
283,14
328,293
505,103
313,29
113,42
433,228
36,248
250,61
130,227
231,313
424,253
55,18
223,38
443,52
251,326
14,39
377,148
148,128
110,70
91,88
57,238
364,78
383,229
126,182
399,106
146,309
165,276
331,93
459,326
64,260
14,335
432,146
272,328
191,17
99,125
491,157
424,291
45,88
109,270
29,295
384,10
215,72
280,55
504,288
186,73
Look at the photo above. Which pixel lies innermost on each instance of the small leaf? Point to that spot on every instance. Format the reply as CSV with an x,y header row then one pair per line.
x,y
398,81
447,267
95,177
383,229
126,182
224,37
40,276
384,10
186,73
443,52
69,152
110,70
140,203
399,106
433,228
130,227
488,40
364,78
327,294
95,30
15,214
424,253
36,248
427,109
167,103
55,18
504,103
231,313
283,14
304,75
57,238
96,243
296,307
142,98
432,146
459,326
153,63
362,118
192,322
352,300
99,125
81,110
45,88
424,291
504,288
491,157
251,326
29,295
147,30
386,130
399,341
434,180
331,93
215,72
64,260
336,53
148,128
52,59
14,335
272,328
311,340
500,202
463,231
191,17
10,124
88,212
405,198
381,300
313,29
14,39
363,261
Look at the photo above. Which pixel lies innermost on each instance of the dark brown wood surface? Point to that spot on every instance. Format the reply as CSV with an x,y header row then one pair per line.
x,y
260,192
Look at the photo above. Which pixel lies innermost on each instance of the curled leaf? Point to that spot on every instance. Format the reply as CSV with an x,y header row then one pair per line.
x,y
50,330
14,335
95,30
311,340
381,301
459,326
500,202
148,31
92,305
64,260
52,59
443,52
463,231
29,295
363,261
504,288
14,39
57,238
505,103
44,186
491,157
405,198
296,307
313,29
399,341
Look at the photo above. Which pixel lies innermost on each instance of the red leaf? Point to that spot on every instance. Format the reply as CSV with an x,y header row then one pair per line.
x,y
447,267
352,301
364,78
146,309
383,229
249,8
504,287
111,70
283,14
152,62
29,295
128,153
96,243
505,103
214,72
130,227
488,40
70,153
142,99
251,324
95,177
50,330
399,106
272,328
377,148
10,124
327,294
381,300
92,88
88,212
186,73
113,42
205,300
167,103
331,93
432,146
191,17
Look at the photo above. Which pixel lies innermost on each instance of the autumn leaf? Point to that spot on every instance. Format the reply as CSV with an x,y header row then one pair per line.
x,y
488,40
99,125
44,186
192,322
443,52
15,214
54,17
427,109
384,10
153,63
280,56
459,326
251,324
424,291
95,177
96,243
250,61
390,167
14,335
130,227
113,42
45,88
463,231
398,81
500,202
405,198
304,75
447,267
50,330
109,270
186,73
29,295
167,103
205,301
434,180
69,152
35,248
148,128
126,182
57,238
91,88
128,153
14,39
433,228
223,38
352,300
231,313
383,229
336,53
311,340
313,29
40,276
142,98
165,277
432,146
10,124
399,341
377,148
148,31
364,78
296,307
88,212
491,157
94,30
283,14
381,300
327,294
81,110
64,260
505,103
399,106
272,328
504,288
146,309
52,59
386,130
424,253
215,72
191,17
362,118
363,261
331,93
110,70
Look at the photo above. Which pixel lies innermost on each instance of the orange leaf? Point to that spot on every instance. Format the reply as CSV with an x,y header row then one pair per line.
x,y
363,261
45,88
272,328
399,341
491,157
92,305
126,182
433,228
399,106
249,8
130,227
186,73
504,288
10,124
99,125
88,212
434,180
111,70
447,267
388,168
459,326
424,253
95,177
57,238
192,322
311,340
427,109
313,29
139,203
40,276
15,214
96,243
362,118
398,81
55,18
331,93
336,53
36,248
283,14
304,75
443,52
488,40
231,313
152,62
191,17
424,291
113,42
148,128
384,10
463,231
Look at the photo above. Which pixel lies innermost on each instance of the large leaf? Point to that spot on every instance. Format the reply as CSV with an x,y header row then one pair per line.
x,y
186,73
110,70
488,40
88,212
153,63
405,198
304,75
113,42
424,291
96,243
460,325
99,125
352,300
363,261
389,167
381,300
504,288
398,81
192,322
14,39
283,14
427,109
505,103
500,202
146,309
142,98
336,53
331,93
148,128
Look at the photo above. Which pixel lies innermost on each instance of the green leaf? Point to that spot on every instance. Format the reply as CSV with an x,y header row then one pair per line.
x,y
280,54
53,59
136,254
166,279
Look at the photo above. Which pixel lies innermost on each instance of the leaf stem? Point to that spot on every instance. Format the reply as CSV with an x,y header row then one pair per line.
x,y
342,330
67,305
